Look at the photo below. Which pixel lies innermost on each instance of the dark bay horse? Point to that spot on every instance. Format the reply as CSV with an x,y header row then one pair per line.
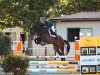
x,y
44,36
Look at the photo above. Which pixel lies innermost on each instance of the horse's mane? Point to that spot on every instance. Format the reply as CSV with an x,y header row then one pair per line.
x,y
40,28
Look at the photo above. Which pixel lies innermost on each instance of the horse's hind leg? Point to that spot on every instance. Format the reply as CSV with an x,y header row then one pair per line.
x,y
62,51
61,48
56,48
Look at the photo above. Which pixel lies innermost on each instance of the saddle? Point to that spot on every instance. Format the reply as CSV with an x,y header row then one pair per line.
x,y
53,34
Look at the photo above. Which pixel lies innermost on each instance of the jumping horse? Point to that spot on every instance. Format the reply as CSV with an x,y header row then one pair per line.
x,y
42,34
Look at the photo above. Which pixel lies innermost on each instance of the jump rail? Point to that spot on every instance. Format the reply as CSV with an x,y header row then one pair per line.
x,y
52,62
51,56
53,70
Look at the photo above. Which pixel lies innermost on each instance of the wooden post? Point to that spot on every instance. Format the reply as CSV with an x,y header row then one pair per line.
x,y
45,53
30,47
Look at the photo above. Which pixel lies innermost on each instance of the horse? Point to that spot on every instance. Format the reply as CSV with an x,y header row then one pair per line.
x,y
43,35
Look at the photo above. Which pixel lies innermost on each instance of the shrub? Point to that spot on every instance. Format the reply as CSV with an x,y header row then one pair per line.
x,y
15,64
5,44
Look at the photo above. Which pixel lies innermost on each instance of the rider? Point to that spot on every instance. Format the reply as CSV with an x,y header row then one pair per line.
x,y
49,25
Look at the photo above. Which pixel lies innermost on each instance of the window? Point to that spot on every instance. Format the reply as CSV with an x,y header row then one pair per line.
x,y
23,37
86,31
72,33
12,35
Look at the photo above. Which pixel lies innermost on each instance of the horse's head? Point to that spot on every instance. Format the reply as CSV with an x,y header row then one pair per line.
x,y
35,29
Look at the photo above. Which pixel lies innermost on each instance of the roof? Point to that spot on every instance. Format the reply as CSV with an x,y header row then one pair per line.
x,y
81,16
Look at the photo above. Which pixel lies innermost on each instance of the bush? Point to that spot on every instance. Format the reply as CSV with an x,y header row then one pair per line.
x,y
5,44
15,64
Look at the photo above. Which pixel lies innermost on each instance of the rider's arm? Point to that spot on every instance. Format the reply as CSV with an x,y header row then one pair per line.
x,y
48,24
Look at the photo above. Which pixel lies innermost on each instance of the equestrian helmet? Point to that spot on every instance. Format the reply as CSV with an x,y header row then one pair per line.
x,y
42,19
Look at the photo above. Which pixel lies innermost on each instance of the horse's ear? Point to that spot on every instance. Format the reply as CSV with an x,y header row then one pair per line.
x,y
31,26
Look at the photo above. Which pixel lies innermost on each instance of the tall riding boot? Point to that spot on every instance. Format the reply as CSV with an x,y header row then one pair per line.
x,y
55,34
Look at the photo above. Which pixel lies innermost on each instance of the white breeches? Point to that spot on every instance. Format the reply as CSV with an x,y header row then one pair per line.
x,y
53,28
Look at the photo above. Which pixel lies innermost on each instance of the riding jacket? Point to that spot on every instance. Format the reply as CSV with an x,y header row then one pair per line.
x,y
48,24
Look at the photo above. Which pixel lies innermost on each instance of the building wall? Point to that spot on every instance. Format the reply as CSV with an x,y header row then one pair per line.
x,y
16,30
61,28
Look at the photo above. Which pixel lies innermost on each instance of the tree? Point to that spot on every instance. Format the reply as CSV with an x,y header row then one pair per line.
x,y
23,13
75,6
14,13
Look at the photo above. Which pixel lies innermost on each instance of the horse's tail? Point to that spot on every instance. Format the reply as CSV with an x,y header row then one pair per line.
x,y
68,46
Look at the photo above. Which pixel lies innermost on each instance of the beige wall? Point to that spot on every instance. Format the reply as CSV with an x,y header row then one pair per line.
x,y
16,30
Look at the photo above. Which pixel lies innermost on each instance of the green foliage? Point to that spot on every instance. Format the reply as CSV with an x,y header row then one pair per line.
x,y
17,13
14,13
42,4
16,64
74,6
5,44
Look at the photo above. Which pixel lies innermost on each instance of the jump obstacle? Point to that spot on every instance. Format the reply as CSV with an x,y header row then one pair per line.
x,y
53,66
63,66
